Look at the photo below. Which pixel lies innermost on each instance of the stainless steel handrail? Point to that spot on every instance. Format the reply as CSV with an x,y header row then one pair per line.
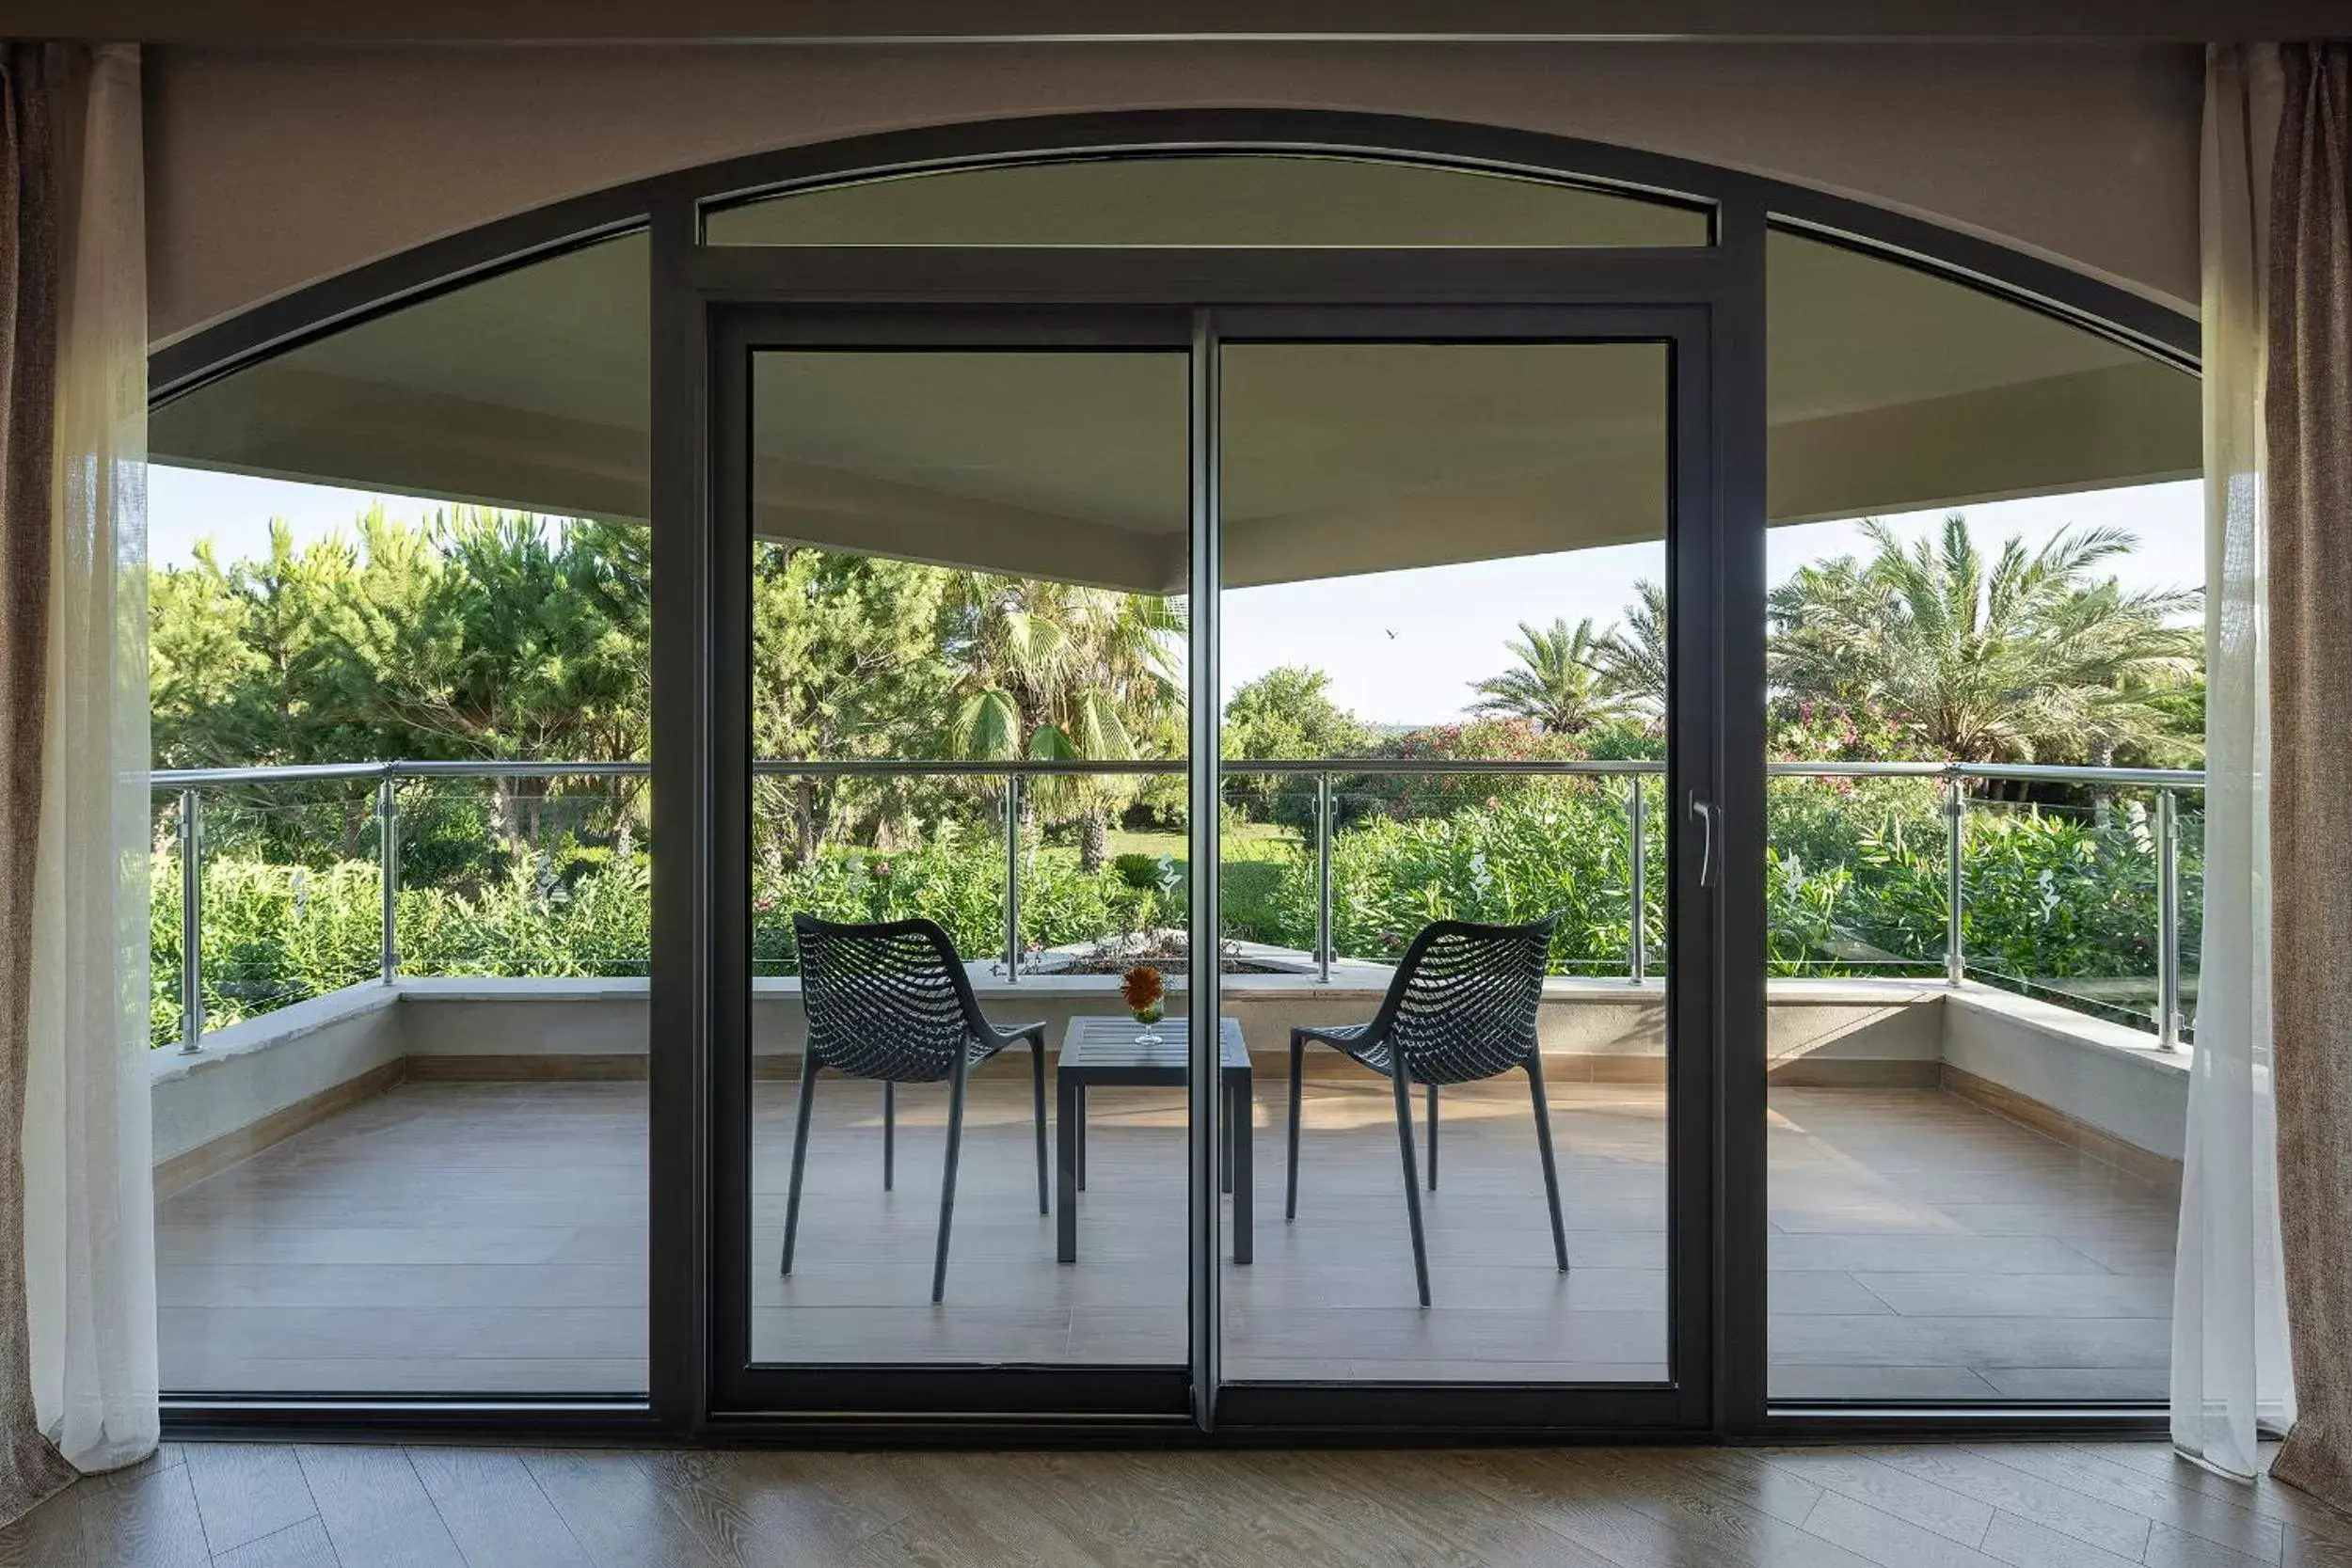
x,y
487,768
2112,778
1383,766
189,783
177,778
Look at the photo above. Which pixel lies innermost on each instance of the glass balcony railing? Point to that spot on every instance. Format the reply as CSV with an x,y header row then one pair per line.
x,y
275,884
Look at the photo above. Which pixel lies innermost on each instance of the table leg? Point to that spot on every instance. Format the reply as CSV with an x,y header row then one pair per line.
x,y
1225,1138
1244,1171
1082,1137
1071,1101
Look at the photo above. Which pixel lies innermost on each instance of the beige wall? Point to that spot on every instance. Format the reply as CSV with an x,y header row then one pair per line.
x,y
272,168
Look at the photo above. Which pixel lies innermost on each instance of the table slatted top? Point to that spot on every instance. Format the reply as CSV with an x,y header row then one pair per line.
x,y
1098,1042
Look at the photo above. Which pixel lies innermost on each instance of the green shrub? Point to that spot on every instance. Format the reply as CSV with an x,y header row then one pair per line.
x,y
1153,873
1854,883
1547,845
957,880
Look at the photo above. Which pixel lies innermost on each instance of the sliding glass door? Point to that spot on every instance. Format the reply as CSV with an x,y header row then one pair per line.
x,y
1235,950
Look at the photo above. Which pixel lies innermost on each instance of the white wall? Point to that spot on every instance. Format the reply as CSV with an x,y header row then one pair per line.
x,y
2112,1078
264,1065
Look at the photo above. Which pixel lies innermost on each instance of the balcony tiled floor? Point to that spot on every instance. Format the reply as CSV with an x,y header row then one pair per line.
x,y
490,1238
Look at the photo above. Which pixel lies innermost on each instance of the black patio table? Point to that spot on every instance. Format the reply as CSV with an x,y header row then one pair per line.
x,y
1099,1051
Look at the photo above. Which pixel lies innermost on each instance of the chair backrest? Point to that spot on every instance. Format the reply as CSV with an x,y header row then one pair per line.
x,y
885,1000
1462,1006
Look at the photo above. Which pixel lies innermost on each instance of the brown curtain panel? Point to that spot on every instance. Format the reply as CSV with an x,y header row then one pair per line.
x,y
30,1469
2308,421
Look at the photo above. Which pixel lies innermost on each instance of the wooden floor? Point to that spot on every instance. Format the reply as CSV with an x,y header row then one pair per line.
x,y
2059,1505
491,1238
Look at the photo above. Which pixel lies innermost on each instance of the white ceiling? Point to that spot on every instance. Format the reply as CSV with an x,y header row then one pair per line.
x,y
1889,389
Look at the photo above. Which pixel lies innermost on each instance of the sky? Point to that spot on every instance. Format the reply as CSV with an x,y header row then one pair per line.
x,y
1401,647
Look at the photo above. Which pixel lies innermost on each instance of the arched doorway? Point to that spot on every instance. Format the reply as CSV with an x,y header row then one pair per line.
x,y
1236,351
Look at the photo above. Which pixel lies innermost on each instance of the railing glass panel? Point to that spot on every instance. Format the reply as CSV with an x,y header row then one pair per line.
x,y
544,870
2062,901
882,847
547,877
289,899
1855,879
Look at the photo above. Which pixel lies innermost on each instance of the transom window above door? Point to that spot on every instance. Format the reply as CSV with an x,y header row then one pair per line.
x,y
1211,198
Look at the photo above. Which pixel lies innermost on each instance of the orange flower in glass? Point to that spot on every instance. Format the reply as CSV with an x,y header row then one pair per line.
x,y
1142,987
1143,991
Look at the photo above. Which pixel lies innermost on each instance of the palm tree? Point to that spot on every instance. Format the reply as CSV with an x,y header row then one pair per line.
x,y
1057,673
2022,657
1632,662
1557,685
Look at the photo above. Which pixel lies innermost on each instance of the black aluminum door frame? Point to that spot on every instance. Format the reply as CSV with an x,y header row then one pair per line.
x,y
1103,1394
727,302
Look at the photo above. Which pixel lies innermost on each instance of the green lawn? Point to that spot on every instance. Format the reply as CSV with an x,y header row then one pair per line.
x,y
1253,855
1247,841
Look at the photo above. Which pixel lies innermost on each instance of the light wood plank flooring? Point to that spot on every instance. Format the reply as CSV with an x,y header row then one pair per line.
x,y
2068,1505
490,1238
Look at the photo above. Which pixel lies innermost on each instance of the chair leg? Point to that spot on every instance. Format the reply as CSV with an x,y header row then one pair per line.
x,y
799,1153
947,1180
1543,1141
1298,1052
1037,1085
890,1129
1432,1138
1397,1076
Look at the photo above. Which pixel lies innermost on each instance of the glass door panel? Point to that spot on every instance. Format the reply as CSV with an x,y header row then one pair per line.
x,y
1444,628
967,704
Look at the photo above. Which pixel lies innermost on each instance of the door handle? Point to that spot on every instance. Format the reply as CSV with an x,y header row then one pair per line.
x,y
1704,811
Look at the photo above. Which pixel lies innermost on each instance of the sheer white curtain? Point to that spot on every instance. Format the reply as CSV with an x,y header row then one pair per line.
x,y
89,1224
2229,1362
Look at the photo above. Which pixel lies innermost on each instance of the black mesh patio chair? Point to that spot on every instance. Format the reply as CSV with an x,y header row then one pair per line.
x,y
1460,1007
890,1002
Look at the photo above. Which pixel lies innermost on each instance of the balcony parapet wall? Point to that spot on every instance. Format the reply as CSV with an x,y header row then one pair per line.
x,y
2098,1086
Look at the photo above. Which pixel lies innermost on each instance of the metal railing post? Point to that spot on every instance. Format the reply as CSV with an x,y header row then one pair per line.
x,y
191,923
1638,955
1322,878
1955,807
388,866
1012,876
2167,921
